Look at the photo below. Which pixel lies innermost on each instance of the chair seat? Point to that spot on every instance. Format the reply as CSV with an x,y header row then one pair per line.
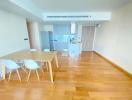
x,y
11,65
30,64
33,49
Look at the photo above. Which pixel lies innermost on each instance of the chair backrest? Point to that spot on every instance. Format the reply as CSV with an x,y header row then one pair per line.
x,y
33,49
10,64
46,50
30,64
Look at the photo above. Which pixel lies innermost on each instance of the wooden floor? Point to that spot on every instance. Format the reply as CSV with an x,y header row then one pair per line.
x,y
87,78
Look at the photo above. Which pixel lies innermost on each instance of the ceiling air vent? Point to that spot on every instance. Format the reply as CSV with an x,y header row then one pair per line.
x,y
68,16
97,16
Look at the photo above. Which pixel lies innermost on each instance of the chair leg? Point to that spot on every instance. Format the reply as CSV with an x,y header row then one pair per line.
x,y
42,70
28,75
9,76
18,75
37,74
24,70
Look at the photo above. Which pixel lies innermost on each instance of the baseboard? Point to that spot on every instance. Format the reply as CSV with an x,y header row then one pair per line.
x,y
114,65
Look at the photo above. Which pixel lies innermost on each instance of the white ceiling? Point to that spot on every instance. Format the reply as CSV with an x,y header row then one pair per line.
x,y
24,8
79,5
36,9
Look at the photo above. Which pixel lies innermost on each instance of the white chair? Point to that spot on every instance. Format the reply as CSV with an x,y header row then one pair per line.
x,y
33,50
32,65
21,64
46,50
11,65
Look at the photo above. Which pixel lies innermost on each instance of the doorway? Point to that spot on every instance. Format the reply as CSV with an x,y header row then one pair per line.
x,y
61,35
88,38
57,39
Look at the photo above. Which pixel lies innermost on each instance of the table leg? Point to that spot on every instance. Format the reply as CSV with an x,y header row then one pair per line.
x,y
50,69
56,60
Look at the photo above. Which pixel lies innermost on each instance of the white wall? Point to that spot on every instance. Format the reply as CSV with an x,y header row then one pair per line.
x,y
13,30
114,38
79,31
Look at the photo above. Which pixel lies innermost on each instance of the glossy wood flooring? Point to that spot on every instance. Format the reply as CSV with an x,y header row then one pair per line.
x,y
87,78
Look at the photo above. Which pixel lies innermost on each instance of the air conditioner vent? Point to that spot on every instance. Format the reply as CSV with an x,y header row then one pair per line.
x,y
68,16
97,16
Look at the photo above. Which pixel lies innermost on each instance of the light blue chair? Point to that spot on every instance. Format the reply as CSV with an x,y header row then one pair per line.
x,y
11,65
32,65
33,50
21,64
46,50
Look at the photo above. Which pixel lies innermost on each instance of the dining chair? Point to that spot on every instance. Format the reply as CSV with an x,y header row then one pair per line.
x,y
31,66
42,63
12,65
21,64
46,64
46,50
33,50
